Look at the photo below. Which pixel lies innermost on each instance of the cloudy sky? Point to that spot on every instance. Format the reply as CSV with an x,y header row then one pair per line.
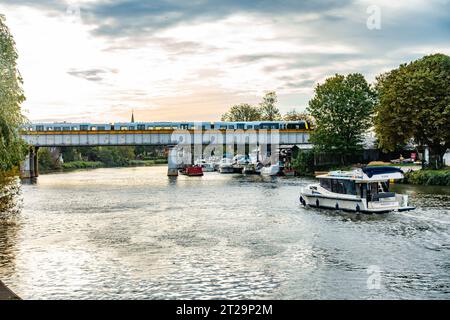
x,y
96,60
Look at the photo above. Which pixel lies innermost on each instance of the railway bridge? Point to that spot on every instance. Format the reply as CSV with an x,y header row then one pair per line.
x,y
180,137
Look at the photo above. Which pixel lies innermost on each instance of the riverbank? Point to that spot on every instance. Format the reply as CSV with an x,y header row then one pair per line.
x,y
6,293
428,177
74,165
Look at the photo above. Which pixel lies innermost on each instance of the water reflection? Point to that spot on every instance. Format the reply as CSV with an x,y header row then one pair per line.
x,y
10,206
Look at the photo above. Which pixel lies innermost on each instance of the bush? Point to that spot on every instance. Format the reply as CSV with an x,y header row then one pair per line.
x,y
428,177
82,165
304,163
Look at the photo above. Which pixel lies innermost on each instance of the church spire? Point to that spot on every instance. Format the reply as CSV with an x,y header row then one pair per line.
x,y
132,116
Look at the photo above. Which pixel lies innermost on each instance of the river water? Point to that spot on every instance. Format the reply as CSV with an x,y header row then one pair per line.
x,y
134,233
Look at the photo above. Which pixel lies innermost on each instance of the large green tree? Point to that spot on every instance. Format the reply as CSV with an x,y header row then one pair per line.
x,y
268,109
414,104
12,147
342,109
242,112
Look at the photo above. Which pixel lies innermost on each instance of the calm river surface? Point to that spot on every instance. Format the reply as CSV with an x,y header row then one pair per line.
x,y
134,233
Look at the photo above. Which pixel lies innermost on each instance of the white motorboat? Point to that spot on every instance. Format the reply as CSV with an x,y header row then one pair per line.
x,y
271,170
226,166
206,165
363,190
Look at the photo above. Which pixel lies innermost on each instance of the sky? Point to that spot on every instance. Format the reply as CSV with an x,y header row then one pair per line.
x,y
173,60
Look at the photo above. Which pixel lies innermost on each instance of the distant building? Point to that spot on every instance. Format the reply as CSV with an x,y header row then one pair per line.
x,y
132,116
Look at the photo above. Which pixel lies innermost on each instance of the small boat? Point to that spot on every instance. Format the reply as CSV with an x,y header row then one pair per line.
x,y
206,166
192,171
362,190
271,170
226,166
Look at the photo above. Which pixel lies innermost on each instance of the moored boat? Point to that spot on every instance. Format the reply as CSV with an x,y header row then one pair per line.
x,y
226,166
207,166
192,171
363,190
271,170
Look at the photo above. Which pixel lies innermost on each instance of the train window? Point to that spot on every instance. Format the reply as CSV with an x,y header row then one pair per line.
x,y
49,129
39,128
74,128
123,128
66,128
57,128
94,128
249,126
141,127
131,127
184,126
112,127
84,128
102,128
223,127
240,126
256,127
231,126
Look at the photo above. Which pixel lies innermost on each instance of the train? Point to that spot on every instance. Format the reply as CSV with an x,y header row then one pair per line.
x,y
151,126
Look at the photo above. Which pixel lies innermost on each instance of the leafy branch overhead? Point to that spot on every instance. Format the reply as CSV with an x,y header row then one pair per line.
x,y
11,96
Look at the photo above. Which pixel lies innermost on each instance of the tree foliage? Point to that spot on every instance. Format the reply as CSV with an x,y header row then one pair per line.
x,y
341,107
414,103
294,115
268,109
12,148
242,112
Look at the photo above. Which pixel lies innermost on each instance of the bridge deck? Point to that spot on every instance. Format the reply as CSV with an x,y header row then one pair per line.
x,y
162,137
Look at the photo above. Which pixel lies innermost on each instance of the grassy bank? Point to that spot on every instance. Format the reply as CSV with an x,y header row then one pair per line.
x,y
146,163
428,177
73,165
82,165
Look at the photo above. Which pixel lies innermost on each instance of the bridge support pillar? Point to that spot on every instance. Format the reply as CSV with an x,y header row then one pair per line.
x,y
29,168
172,167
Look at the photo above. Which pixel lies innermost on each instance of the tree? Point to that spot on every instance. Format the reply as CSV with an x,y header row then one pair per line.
x,y
12,147
242,112
294,115
267,108
414,103
342,109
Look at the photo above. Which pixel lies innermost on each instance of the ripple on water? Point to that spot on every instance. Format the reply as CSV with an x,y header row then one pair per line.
x,y
133,233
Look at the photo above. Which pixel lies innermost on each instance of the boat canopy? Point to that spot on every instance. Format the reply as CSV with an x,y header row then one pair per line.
x,y
367,174
383,170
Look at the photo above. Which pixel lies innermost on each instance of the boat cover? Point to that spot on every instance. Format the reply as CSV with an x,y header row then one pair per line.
x,y
371,171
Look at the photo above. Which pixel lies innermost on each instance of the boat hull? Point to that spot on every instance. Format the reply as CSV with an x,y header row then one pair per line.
x,y
226,169
349,205
192,171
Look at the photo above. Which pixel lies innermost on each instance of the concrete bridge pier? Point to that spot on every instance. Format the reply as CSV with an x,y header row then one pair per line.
x,y
29,168
172,167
